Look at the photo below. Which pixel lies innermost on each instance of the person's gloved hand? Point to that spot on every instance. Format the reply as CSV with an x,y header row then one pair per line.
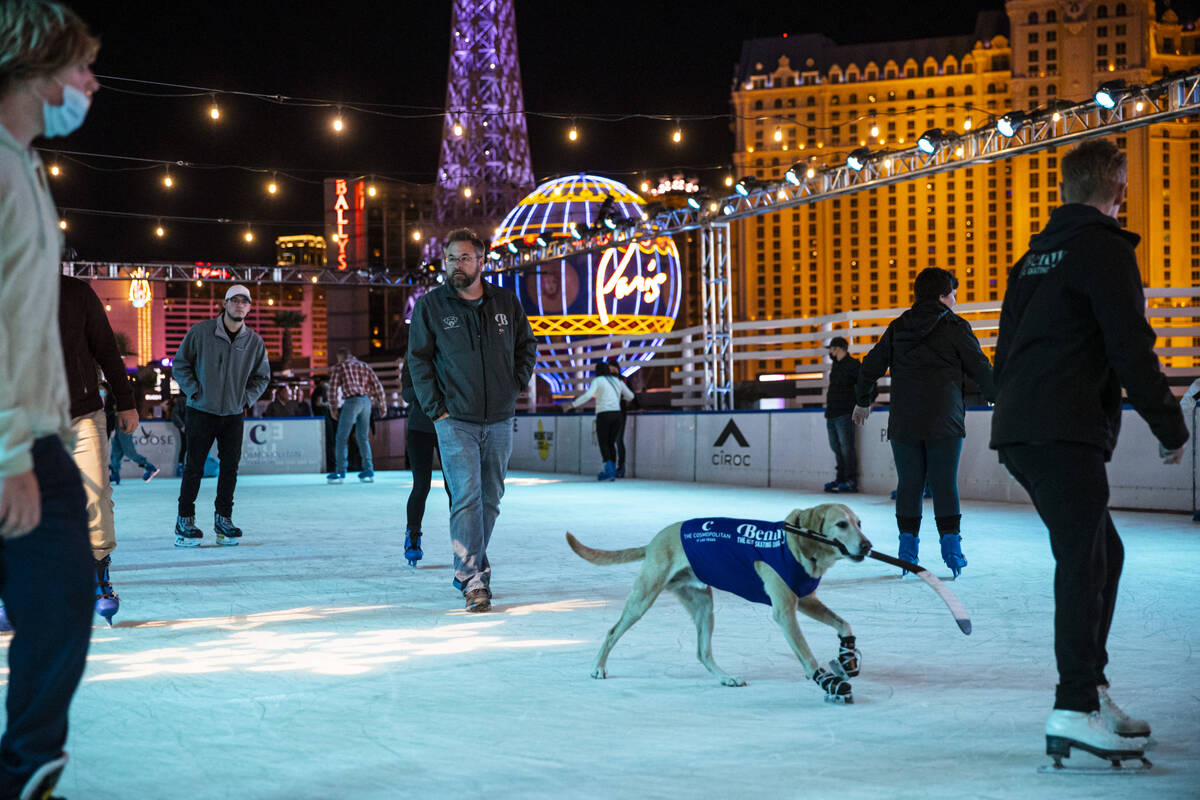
x,y
860,414
1171,456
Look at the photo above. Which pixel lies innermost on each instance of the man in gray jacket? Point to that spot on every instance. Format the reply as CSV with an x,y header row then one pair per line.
x,y
470,352
221,368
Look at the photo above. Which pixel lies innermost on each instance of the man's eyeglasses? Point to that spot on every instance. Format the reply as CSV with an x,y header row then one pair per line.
x,y
452,260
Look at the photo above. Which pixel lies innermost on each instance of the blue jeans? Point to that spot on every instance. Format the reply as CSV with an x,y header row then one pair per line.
x,y
932,461
48,587
356,412
122,448
841,441
475,461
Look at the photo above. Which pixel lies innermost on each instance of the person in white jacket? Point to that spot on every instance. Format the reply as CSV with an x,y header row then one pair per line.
x,y
46,84
608,390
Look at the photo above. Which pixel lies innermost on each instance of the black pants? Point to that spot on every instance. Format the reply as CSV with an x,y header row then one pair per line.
x,y
1069,488
419,449
932,461
619,441
608,425
48,587
202,430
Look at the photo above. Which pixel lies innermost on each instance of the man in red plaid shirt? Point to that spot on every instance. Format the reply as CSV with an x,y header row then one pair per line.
x,y
354,389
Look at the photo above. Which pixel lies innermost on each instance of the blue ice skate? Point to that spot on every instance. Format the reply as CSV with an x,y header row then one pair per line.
x,y
107,601
952,552
412,547
909,544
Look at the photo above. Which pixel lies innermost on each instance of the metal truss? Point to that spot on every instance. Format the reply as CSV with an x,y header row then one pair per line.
x,y
110,270
484,168
716,302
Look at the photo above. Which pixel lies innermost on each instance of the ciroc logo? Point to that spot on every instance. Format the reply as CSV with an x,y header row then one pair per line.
x,y
724,458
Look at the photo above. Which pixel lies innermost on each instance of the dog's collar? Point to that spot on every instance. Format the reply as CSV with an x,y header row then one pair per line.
x,y
823,539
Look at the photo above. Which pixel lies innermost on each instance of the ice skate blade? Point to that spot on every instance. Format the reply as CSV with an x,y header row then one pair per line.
x,y
412,562
228,541
840,699
1115,767
187,541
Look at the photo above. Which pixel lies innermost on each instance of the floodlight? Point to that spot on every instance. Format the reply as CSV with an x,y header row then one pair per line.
x,y
1010,123
1110,93
858,159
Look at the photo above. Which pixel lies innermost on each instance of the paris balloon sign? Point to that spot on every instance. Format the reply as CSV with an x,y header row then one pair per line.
x,y
622,296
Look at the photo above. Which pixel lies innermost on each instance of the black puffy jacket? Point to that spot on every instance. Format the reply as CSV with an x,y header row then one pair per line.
x,y
929,350
843,377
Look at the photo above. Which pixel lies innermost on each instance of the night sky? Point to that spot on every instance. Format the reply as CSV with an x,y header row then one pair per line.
x,y
576,58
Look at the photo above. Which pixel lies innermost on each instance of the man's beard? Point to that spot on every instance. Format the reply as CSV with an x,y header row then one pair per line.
x,y
461,280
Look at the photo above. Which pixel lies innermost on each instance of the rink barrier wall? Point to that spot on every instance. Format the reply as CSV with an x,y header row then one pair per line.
x,y
790,449
274,445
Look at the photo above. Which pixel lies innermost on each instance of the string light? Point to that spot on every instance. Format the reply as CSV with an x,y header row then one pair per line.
x,y
338,124
967,124
573,133
371,190
62,224
272,186
416,236
214,110
248,235
458,129
467,192
55,171
167,181
729,180
677,136
160,231
270,301
778,134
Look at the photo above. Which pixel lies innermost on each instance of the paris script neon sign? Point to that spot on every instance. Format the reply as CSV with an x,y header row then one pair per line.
x,y
619,286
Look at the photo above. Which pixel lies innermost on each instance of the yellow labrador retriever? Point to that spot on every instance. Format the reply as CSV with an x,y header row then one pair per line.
x,y
761,561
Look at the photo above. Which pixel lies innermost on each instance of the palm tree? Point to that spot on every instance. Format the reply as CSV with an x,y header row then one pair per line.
x,y
288,320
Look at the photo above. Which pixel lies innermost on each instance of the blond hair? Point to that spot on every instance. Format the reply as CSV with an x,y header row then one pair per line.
x,y
38,38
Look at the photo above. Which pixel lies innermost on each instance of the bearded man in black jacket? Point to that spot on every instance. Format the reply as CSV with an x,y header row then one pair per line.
x,y
1073,332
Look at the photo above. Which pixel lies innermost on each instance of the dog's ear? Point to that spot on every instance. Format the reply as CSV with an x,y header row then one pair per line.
x,y
810,518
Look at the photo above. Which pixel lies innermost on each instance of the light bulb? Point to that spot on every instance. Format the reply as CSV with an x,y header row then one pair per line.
x,y
572,134
160,232
967,124
467,191
214,111
270,301
338,125
645,186
62,224
874,131
168,181
272,188
458,129
248,236
729,180
416,235
371,192
779,134
677,136
54,170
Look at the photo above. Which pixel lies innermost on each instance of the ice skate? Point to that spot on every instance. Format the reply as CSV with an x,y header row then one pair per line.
x,y
609,473
831,487
909,546
149,473
107,601
952,552
5,625
837,690
479,600
42,782
846,487
366,477
412,547
1117,720
335,477
227,533
186,532
1087,731
849,659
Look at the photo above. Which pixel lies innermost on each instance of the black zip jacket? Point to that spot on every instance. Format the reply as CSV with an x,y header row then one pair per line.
x,y
929,350
417,421
1073,331
88,340
470,361
843,375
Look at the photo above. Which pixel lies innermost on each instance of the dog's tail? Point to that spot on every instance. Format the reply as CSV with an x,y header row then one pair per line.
x,y
605,557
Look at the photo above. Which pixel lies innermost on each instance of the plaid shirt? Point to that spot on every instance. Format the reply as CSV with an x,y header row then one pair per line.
x,y
352,377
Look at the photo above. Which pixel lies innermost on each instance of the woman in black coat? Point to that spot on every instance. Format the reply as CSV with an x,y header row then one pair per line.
x,y
929,349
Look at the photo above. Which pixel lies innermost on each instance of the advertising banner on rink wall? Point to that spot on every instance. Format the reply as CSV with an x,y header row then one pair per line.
x,y
269,446
733,448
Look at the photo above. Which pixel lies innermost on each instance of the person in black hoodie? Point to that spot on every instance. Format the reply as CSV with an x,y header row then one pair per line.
x,y
1073,332
929,349
471,352
839,412
88,342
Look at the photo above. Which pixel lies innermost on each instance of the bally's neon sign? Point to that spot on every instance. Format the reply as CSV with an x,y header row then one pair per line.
x,y
341,206
617,285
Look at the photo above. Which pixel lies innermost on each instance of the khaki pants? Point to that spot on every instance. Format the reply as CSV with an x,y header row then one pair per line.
x,y
91,456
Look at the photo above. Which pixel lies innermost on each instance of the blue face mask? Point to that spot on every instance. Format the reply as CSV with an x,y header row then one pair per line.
x,y
66,119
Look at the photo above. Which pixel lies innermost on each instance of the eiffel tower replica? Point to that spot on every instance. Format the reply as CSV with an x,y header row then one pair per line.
x,y
484,167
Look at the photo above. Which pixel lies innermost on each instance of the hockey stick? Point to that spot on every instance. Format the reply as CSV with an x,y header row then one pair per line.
x,y
948,597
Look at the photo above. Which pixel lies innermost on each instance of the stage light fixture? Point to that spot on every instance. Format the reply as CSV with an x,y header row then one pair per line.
x,y
1110,93
858,158
575,232
494,254
694,202
793,173
542,240
512,247
933,140
1010,123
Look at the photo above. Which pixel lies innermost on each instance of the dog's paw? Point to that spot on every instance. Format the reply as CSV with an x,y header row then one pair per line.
x,y
730,680
599,673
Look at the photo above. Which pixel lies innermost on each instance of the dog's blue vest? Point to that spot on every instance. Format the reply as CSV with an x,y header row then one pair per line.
x,y
722,552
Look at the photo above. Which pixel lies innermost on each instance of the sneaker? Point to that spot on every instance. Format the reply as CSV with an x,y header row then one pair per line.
x,y
149,473
335,477
228,534
186,532
846,487
1117,720
366,477
43,780
831,486
479,600
1087,731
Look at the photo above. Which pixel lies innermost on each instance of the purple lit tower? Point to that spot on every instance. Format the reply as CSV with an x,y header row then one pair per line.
x,y
484,167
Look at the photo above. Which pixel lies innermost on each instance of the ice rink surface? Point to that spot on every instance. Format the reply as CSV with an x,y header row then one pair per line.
x,y
312,662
